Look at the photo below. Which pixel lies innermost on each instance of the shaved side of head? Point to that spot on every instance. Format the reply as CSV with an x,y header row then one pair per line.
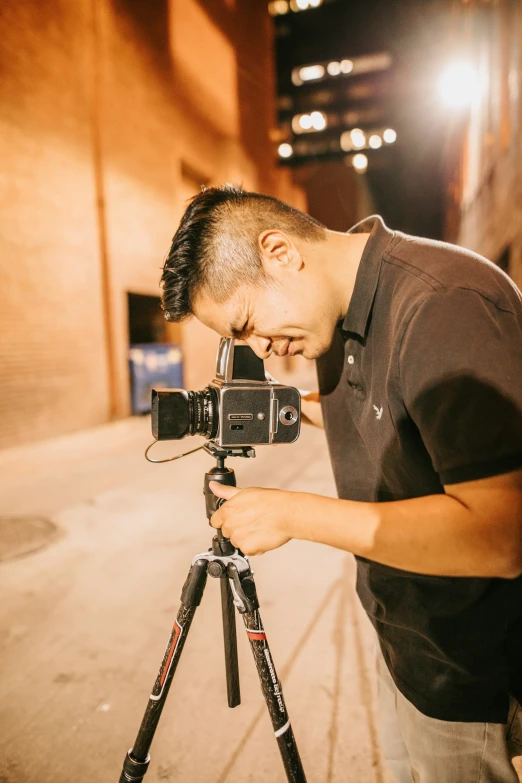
x,y
215,248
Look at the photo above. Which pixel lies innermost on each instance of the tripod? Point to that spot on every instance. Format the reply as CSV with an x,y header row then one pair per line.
x,y
224,562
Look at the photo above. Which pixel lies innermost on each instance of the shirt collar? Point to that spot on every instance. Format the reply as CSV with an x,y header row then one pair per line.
x,y
367,277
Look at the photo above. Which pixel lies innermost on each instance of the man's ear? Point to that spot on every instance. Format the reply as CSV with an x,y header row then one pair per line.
x,y
278,252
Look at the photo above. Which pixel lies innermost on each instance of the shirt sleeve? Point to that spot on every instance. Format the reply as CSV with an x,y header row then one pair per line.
x,y
461,373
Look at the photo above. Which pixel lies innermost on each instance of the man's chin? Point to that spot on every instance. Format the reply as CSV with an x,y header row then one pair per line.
x,y
317,350
313,353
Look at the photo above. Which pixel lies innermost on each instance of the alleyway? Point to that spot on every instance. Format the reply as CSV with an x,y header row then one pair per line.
x,y
84,622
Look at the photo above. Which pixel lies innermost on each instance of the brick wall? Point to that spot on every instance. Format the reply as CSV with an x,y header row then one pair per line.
x,y
53,368
103,114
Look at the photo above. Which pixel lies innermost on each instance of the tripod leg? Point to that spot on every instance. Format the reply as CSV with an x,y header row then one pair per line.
x,y
138,758
273,694
230,640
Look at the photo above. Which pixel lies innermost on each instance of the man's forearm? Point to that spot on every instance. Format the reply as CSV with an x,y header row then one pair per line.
x,y
436,534
311,411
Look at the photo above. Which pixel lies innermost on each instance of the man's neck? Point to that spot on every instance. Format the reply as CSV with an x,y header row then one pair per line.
x,y
342,256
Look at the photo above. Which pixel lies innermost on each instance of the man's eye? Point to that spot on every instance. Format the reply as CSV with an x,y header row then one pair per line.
x,y
237,334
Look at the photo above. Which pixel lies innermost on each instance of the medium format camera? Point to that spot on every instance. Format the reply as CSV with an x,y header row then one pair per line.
x,y
240,407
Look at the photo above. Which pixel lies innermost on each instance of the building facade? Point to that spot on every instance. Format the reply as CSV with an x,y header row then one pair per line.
x,y
485,189
114,112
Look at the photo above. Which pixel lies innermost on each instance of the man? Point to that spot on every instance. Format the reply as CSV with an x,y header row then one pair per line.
x,y
419,354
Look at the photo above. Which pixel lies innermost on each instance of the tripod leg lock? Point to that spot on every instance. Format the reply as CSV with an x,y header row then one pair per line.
x,y
195,584
134,771
243,589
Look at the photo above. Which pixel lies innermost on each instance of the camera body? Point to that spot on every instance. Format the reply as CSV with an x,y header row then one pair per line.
x,y
240,407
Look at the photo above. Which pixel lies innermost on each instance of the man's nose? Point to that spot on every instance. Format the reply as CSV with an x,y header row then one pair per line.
x,y
262,346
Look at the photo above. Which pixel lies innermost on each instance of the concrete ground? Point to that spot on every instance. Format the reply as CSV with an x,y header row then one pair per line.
x,y
84,622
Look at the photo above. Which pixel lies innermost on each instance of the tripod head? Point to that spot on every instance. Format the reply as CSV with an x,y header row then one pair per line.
x,y
223,475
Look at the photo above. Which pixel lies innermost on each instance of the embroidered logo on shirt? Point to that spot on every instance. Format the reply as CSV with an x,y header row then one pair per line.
x,y
378,412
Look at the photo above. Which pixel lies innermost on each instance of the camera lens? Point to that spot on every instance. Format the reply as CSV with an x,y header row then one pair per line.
x,y
177,413
203,416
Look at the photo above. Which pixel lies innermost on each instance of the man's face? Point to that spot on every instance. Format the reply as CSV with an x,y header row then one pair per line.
x,y
296,315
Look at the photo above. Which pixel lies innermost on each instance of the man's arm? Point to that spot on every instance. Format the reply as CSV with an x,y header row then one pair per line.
x,y
475,529
311,411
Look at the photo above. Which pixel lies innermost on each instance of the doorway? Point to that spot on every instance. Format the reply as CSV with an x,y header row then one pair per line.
x,y
155,356
146,322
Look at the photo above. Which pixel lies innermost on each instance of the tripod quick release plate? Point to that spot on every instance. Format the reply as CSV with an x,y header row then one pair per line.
x,y
222,452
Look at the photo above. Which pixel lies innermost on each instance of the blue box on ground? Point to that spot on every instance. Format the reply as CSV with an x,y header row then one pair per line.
x,y
153,366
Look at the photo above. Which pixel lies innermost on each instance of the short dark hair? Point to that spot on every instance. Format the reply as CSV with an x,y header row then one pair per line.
x,y
215,247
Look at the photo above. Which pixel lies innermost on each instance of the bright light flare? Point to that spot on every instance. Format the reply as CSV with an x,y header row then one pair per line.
x,y
318,120
358,138
360,162
389,136
346,141
459,85
375,141
311,72
278,8
304,5
285,150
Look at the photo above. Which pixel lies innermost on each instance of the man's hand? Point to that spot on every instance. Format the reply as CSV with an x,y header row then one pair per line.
x,y
255,520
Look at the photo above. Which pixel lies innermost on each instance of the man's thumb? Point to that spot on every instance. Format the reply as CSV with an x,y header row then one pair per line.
x,y
223,490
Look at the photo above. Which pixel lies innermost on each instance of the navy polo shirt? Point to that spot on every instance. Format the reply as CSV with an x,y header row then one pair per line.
x,y
421,387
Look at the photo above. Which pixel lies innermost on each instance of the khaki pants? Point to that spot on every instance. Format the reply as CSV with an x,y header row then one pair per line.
x,y
418,749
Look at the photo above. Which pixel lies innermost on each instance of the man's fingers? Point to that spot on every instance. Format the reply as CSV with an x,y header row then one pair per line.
x,y
222,490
